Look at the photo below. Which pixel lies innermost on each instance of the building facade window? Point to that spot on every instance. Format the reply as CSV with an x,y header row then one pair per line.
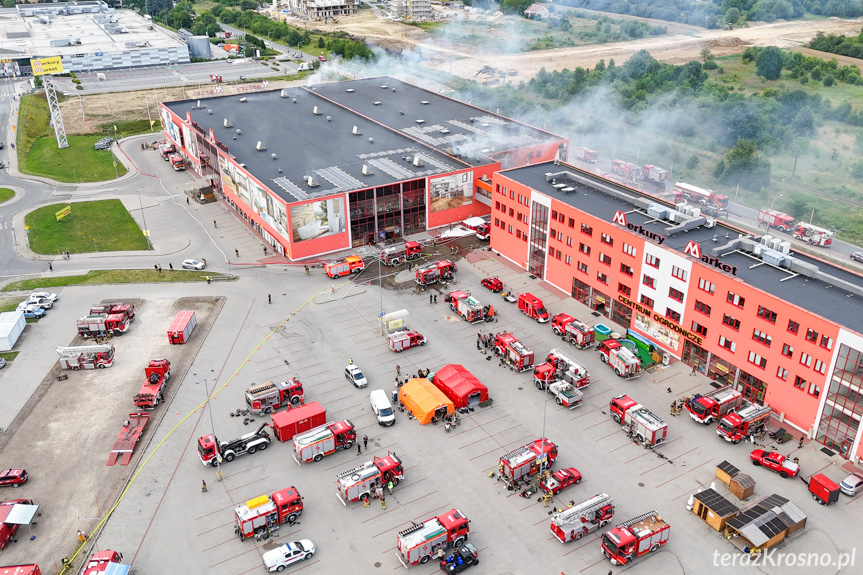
x,y
826,342
678,273
648,281
762,337
602,278
626,270
568,260
584,248
799,382
735,299
726,343
671,314
731,322
793,326
605,259
538,240
765,313
843,406
811,335
806,359
706,286
582,267
787,350
585,229
820,366
607,239
702,307
782,373
675,294
624,289
814,390
647,301
651,260
629,250
699,329
756,359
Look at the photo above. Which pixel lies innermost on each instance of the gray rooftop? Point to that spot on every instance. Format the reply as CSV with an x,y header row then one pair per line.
x,y
829,299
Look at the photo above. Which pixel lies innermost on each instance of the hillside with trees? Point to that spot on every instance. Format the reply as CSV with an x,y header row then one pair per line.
x,y
843,45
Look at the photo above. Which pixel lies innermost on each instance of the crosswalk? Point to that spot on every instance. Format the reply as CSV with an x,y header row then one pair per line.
x,y
6,96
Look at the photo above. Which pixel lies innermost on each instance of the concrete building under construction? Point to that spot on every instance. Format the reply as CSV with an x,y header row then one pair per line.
x,y
410,9
321,8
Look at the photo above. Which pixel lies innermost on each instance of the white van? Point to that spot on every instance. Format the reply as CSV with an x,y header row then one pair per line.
x,y
305,66
382,407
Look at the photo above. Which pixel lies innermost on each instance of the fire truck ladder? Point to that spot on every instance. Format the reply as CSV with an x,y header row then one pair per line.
x,y
585,509
520,348
521,450
635,520
349,472
74,351
409,530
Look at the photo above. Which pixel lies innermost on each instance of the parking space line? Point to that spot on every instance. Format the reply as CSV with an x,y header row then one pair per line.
x,y
219,526
594,564
485,453
822,469
594,540
584,413
699,465
604,421
477,441
615,432
670,480
604,391
247,484
682,454
652,468
646,452
622,446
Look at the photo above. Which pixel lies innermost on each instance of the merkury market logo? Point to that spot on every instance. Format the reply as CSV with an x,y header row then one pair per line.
x,y
620,219
694,249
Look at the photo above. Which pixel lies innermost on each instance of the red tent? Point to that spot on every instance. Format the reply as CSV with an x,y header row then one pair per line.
x,y
460,386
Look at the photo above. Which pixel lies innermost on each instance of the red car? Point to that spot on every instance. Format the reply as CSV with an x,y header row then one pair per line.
x,y
776,462
13,477
493,284
8,530
560,480
98,563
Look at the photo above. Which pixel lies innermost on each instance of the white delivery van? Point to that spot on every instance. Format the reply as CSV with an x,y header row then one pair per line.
x,y
382,407
305,66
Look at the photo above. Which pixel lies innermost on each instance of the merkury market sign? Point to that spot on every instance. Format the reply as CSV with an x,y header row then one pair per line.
x,y
694,249
620,219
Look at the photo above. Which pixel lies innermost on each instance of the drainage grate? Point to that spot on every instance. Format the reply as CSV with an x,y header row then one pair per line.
x,y
531,276
715,385
828,451
595,314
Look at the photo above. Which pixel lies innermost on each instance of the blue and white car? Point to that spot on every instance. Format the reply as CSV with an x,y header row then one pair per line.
x,y
33,310
288,554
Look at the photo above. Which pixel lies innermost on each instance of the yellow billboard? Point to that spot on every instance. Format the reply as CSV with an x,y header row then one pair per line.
x,y
42,66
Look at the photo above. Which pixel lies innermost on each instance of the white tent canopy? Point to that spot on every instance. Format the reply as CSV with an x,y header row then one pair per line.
x,y
21,514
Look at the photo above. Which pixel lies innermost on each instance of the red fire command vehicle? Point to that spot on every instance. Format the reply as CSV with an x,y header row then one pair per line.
x,y
349,265
405,339
417,544
745,423
642,425
777,220
532,307
103,324
527,459
260,516
560,367
573,523
157,374
714,405
315,444
270,396
211,450
634,538
468,307
512,352
361,482
435,272
397,253
182,327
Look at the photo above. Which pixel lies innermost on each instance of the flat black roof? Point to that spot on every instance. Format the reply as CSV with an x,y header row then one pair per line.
x,y
819,297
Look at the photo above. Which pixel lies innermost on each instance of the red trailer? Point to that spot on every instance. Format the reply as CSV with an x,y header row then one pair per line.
x,y
128,437
20,570
823,489
182,327
286,424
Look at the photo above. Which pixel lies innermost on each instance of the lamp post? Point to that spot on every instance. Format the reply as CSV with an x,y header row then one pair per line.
x,y
144,221
212,425
774,200
544,411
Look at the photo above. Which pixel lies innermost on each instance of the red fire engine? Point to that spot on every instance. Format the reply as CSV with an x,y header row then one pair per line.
x,y
773,219
466,306
532,307
813,235
397,253
559,323
716,404
125,309
624,362
654,174
158,372
361,482
177,162
634,538
98,324
702,196
86,357
417,544
260,516
512,352
527,460
559,366
435,272
575,522
585,155
166,149
642,425
270,396
315,444
745,423
405,339
349,265
577,333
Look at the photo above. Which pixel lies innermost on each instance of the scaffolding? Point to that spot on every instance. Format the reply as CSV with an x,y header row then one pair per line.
x,y
54,107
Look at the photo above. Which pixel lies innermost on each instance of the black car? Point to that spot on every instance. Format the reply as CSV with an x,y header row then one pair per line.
x,y
459,560
857,256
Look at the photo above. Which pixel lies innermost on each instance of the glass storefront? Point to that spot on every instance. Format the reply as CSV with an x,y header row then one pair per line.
x,y
538,239
387,212
725,373
594,299
843,408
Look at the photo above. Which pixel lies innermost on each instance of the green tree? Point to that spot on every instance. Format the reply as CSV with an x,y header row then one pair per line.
x,y
321,43
745,167
732,15
857,170
707,55
692,162
828,80
798,147
769,63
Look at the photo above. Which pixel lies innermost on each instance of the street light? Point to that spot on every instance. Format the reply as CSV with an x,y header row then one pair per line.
x,y
212,425
544,410
774,200
144,221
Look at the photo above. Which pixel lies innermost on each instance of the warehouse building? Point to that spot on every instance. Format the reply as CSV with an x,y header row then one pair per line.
x,y
783,327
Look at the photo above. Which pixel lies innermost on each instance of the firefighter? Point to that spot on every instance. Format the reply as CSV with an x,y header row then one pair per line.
x,y
307,269
673,407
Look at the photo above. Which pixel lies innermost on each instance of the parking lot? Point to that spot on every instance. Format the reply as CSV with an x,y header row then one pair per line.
x,y
164,519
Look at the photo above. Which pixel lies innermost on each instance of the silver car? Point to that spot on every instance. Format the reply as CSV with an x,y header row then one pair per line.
x,y
852,485
355,376
193,265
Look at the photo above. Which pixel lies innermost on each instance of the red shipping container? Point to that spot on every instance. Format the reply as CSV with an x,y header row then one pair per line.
x,y
182,327
287,424
823,489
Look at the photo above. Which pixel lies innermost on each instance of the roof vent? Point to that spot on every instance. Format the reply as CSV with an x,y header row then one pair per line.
x,y
394,89
239,131
199,105
273,156
444,131
316,112
401,113
371,140
384,87
283,93
376,103
329,118
228,124
260,146
356,131
366,170
421,121
244,99
311,182
210,112
350,90
425,102
417,162
294,100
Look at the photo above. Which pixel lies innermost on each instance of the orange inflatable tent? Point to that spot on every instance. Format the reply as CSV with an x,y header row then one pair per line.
x,y
424,400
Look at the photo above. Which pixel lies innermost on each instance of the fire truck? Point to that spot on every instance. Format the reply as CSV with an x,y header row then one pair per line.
x,y
634,538
166,149
702,196
211,450
349,265
585,155
177,162
158,372
270,396
565,394
575,522
127,310
362,481
315,444
624,362
397,253
559,323
527,460
532,307
417,544
813,235
86,357
560,367
745,423
435,272
108,324
579,334
512,352
773,219
466,306
716,404
654,174
260,516
405,339
483,232
641,424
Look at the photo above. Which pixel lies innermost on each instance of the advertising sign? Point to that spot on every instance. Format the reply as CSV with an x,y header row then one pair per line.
x,y
42,66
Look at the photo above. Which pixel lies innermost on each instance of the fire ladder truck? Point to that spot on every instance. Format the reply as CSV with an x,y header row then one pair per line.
x,y
745,423
527,460
575,522
86,357
560,367
813,235
512,352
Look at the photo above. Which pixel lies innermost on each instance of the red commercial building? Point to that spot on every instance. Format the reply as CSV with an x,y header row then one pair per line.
x,y
324,168
781,326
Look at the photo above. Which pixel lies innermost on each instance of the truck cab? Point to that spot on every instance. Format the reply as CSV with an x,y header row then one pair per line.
x,y
559,323
483,232
620,405
605,348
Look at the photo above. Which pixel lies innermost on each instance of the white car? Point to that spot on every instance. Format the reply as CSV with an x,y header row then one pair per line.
x,y
193,265
288,554
355,376
40,301
45,295
852,485
28,306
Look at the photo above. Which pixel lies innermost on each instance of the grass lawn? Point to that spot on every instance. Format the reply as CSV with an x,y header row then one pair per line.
x,y
80,162
10,303
6,194
106,220
33,121
9,355
112,277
